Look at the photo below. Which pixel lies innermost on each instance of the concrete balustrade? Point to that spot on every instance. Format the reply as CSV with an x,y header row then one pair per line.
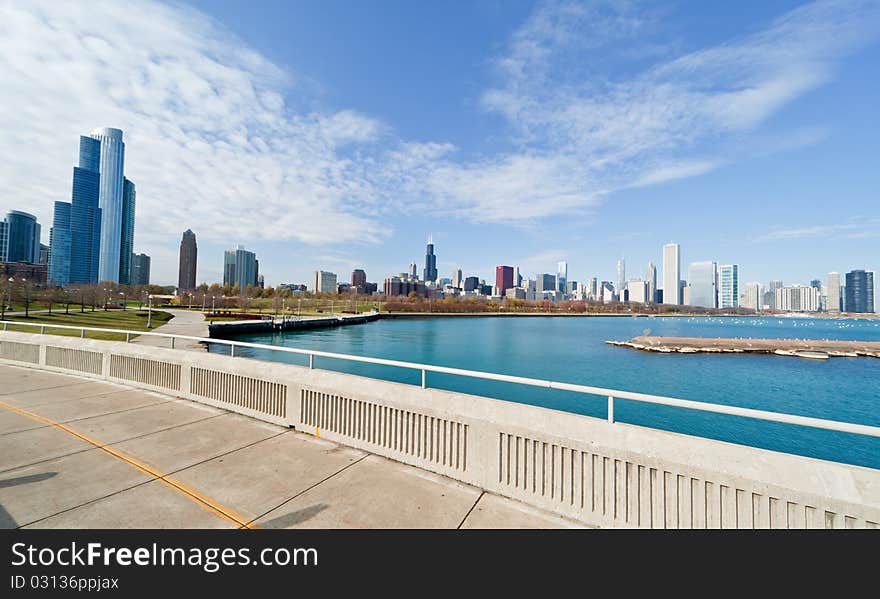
x,y
592,470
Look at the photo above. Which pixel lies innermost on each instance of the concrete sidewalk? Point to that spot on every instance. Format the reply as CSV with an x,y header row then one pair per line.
x,y
79,453
184,322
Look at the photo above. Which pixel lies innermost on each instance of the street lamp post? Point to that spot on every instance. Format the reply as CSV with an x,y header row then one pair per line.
x,y
213,302
122,293
190,300
150,311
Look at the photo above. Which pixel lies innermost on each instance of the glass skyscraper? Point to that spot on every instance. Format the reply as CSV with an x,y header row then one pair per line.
x,y
561,276
76,228
140,270
240,268
186,276
671,274
111,160
728,286
430,262
859,292
20,238
126,245
702,281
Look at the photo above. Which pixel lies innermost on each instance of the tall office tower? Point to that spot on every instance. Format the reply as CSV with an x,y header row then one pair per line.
x,y
517,278
651,279
75,237
503,278
111,162
456,278
702,284
44,253
140,270
772,286
324,282
545,282
832,303
754,296
671,274
728,286
359,280
859,292
413,271
637,291
561,276
430,262
126,244
20,238
621,276
240,268
471,283
189,255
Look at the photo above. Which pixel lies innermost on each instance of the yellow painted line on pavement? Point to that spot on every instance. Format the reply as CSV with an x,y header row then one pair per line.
x,y
199,498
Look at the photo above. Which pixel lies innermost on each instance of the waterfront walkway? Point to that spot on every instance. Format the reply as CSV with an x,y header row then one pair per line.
x,y
184,322
80,453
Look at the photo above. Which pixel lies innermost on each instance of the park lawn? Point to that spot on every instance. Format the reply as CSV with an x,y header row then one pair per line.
x,y
129,320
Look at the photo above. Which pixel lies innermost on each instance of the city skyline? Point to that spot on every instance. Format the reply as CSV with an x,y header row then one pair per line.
x,y
494,182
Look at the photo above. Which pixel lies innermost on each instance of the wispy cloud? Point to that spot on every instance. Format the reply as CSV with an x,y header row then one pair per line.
x,y
856,229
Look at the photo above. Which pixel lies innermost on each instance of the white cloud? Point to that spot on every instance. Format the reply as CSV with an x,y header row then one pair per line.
x,y
210,141
855,229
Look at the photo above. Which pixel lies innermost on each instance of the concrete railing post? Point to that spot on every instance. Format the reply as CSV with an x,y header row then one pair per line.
x,y
42,329
424,379
311,361
128,337
172,342
231,351
611,409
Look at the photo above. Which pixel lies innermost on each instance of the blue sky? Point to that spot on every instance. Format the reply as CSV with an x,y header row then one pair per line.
x,y
338,135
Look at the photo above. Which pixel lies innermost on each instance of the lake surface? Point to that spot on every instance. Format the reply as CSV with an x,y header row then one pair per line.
x,y
574,350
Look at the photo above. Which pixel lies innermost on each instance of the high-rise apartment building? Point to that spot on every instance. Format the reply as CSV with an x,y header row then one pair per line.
x,y
75,237
430,262
637,291
240,268
546,282
20,238
797,298
456,278
621,276
140,270
126,243
189,254
728,286
324,282
859,292
651,280
754,296
832,302
702,284
671,274
503,279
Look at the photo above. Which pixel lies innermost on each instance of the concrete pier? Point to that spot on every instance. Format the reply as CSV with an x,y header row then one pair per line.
x,y
814,348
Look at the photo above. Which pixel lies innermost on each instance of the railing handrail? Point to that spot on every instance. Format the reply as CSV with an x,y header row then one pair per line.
x,y
611,394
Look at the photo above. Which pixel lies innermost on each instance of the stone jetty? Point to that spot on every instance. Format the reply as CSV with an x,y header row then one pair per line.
x,y
800,348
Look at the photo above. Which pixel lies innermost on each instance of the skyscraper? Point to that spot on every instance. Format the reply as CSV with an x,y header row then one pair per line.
x,y
651,279
126,244
240,268
75,237
561,276
359,280
832,303
20,238
621,277
324,282
503,278
671,274
456,278
859,291
430,262
189,253
754,296
140,270
728,286
702,284
111,162
594,288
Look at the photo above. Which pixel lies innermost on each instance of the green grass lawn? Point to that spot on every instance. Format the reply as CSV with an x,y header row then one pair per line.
x,y
129,320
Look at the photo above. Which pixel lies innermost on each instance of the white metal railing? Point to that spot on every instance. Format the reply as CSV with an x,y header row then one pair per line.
x,y
611,394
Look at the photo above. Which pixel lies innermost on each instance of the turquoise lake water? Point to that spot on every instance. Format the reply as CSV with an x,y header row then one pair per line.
x,y
574,350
